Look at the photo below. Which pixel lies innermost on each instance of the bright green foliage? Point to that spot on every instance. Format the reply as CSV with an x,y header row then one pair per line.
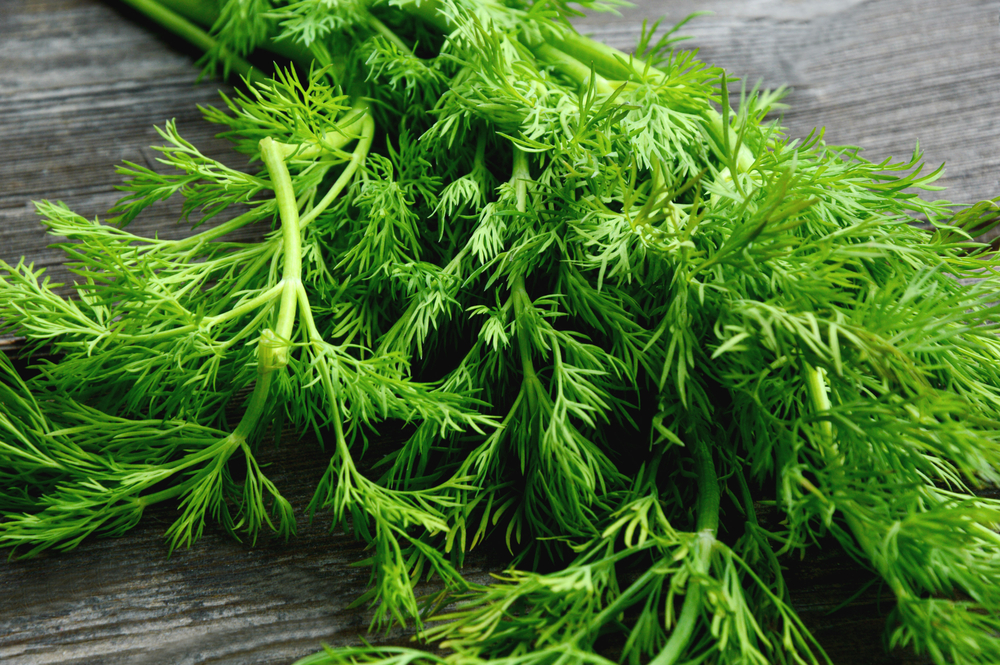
x,y
600,313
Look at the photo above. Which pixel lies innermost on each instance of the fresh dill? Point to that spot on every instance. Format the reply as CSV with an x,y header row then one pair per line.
x,y
604,301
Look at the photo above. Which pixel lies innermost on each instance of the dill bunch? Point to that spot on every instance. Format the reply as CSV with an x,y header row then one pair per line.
x,y
605,304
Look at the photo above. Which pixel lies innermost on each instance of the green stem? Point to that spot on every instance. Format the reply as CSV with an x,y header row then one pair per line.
x,y
709,495
156,337
185,29
272,350
522,301
609,61
623,601
519,177
256,408
307,318
222,450
333,140
429,11
573,68
816,384
243,308
197,240
357,159
820,397
291,234
578,57
383,30
206,13
709,498
616,65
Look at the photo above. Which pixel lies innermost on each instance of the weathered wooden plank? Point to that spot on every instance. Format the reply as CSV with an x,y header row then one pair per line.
x,y
83,83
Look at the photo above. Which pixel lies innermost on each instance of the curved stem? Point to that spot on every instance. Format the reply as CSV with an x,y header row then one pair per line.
x,y
334,139
223,449
243,308
207,13
185,29
357,159
271,356
255,408
620,66
709,498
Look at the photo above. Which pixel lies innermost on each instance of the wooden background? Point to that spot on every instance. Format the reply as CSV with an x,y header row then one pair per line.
x,y
83,82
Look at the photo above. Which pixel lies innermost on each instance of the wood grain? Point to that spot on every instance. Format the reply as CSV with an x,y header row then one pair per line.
x,y
82,85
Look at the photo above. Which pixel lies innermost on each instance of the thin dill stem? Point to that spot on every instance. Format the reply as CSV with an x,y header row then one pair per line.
x,y
187,30
244,308
221,451
816,382
522,301
382,29
357,159
746,498
197,240
709,498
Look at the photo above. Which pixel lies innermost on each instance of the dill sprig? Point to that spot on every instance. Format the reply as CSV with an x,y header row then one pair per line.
x,y
601,301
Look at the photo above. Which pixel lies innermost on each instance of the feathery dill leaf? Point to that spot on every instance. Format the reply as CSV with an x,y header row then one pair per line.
x,y
601,300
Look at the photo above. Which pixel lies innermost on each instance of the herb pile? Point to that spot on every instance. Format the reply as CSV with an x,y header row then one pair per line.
x,y
608,308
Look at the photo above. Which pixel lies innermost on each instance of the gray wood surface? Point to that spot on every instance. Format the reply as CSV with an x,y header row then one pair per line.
x,y
82,84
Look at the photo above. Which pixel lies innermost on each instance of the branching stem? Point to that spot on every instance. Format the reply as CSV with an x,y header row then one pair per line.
x,y
271,356
196,241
